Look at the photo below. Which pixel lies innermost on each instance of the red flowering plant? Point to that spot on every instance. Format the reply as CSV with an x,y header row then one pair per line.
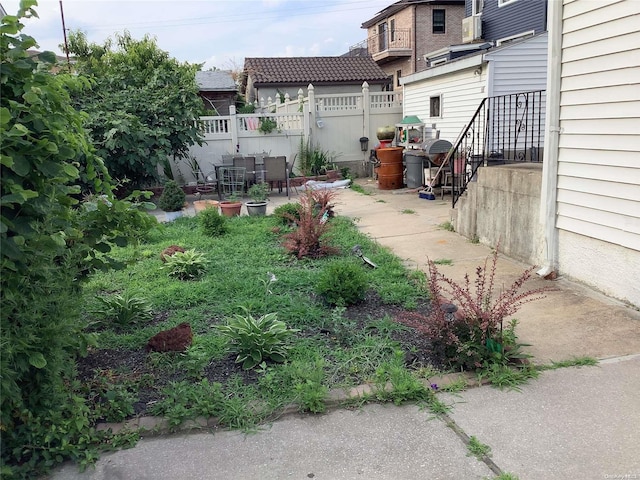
x,y
469,329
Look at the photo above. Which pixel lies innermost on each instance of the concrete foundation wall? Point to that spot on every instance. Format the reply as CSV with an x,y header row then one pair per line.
x,y
503,207
610,268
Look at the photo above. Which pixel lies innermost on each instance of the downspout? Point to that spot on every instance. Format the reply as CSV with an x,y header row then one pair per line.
x,y
415,41
549,192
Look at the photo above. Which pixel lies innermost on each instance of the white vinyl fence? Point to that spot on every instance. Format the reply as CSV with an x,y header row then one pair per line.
x,y
335,122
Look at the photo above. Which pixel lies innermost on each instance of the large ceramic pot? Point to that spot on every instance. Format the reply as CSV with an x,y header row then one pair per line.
x,y
256,209
386,133
230,208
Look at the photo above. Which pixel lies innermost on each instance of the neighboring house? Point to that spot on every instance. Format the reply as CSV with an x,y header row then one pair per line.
x,y
218,90
274,77
505,54
591,173
399,36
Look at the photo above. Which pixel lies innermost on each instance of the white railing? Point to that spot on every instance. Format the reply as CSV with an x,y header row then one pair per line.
x,y
214,125
337,102
385,100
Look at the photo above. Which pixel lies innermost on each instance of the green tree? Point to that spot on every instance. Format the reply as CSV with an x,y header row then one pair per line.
x,y
50,240
142,105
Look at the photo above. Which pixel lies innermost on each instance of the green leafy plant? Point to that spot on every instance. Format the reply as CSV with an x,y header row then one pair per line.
x,y
172,198
287,213
257,339
141,105
212,223
267,125
259,192
343,282
448,226
187,265
478,449
125,309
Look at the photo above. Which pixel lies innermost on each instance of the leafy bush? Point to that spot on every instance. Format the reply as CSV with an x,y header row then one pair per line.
x,y
259,192
187,265
141,105
212,223
50,242
172,197
309,238
343,283
257,339
125,309
287,213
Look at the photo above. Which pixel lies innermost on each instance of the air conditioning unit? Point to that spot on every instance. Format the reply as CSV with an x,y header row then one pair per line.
x,y
471,28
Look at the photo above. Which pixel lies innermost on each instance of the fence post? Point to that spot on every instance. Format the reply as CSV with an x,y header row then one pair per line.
x,y
366,109
233,120
312,107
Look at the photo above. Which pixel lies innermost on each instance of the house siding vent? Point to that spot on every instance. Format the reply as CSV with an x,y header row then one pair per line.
x,y
471,28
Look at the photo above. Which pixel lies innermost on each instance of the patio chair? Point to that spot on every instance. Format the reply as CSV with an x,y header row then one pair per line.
x,y
277,173
249,164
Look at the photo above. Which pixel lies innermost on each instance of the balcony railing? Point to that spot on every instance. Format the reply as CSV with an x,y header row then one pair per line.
x,y
392,43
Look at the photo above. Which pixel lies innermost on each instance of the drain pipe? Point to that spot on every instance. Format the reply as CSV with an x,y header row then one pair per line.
x,y
549,192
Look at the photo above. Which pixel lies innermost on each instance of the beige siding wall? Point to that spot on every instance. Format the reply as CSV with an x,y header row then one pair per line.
x,y
599,146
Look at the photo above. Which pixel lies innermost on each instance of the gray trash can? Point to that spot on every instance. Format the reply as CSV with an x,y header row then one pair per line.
x,y
414,164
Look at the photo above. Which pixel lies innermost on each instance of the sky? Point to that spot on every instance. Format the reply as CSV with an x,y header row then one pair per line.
x,y
216,33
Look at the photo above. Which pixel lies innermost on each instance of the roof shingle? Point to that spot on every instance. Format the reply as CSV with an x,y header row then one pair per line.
x,y
315,70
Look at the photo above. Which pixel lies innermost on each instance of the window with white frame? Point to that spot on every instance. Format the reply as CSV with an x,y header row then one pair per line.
x,y
476,7
502,3
392,29
435,106
398,75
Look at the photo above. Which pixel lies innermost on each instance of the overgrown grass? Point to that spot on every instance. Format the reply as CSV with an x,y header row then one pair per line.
x,y
248,269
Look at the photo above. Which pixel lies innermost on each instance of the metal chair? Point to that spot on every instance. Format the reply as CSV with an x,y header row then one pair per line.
x,y
231,181
249,164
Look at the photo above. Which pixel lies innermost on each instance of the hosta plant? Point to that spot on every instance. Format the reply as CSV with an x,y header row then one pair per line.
x,y
257,339
187,265
124,309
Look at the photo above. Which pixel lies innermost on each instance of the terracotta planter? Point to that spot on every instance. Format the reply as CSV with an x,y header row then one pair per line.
x,y
200,205
230,209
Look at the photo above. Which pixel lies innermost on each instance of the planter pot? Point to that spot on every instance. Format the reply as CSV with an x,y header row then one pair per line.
x,y
256,209
230,209
200,205
171,216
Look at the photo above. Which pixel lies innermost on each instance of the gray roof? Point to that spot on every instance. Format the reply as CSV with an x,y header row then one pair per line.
x,y
216,81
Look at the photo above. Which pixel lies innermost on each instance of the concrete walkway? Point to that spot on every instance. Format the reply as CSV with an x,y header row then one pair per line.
x,y
581,423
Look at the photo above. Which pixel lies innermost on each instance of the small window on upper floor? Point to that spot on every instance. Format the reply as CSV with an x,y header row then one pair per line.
x,y
438,21
435,106
392,29
398,75
502,3
476,7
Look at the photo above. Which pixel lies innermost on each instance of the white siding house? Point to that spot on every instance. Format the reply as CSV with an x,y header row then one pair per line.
x,y
591,176
463,83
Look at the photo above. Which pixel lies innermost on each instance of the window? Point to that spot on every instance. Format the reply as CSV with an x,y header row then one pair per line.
x,y
398,75
476,7
435,109
438,21
382,37
502,3
392,28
